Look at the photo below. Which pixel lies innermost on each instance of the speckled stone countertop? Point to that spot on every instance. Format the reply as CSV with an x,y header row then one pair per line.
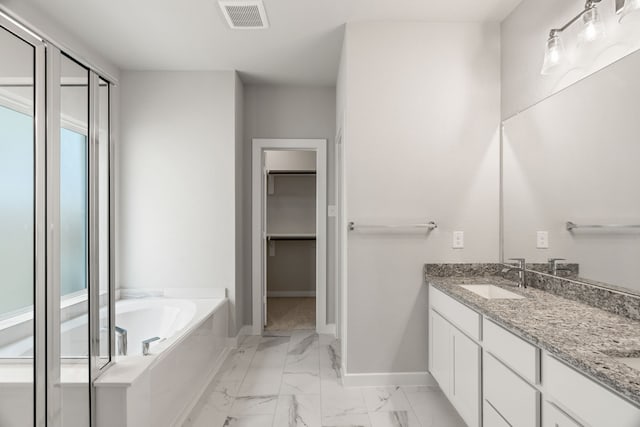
x,y
584,337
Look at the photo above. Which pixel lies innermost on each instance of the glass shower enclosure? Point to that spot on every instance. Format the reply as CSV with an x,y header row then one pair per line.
x,y
56,252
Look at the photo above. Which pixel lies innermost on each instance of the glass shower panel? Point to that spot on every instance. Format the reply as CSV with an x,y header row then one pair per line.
x,y
104,264
17,236
75,384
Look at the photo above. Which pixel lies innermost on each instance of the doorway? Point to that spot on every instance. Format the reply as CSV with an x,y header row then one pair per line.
x,y
289,235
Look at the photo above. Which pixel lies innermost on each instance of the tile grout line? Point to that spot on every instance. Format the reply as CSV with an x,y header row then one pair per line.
x,y
278,400
413,411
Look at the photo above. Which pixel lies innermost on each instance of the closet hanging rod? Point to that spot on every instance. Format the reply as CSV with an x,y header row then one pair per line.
x,y
291,237
572,225
429,225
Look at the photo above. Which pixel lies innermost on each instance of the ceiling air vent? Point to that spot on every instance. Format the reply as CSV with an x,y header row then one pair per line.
x,y
244,15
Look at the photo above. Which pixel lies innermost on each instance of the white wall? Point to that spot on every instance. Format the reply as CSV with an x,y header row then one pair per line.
x,y
560,166
289,112
177,196
524,34
421,143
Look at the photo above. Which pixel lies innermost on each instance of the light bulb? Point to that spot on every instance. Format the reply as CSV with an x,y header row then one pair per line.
x,y
554,54
630,6
593,26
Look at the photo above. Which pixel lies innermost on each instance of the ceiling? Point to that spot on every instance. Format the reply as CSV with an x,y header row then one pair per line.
x,y
302,47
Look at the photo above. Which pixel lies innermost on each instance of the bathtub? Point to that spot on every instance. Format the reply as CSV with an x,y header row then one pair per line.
x,y
192,345
145,318
161,388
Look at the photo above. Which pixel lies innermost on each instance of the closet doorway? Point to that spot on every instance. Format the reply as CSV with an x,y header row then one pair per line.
x,y
289,235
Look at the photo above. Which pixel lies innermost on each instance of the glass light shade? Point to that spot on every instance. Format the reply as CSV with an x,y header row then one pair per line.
x,y
630,6
593,26
554,55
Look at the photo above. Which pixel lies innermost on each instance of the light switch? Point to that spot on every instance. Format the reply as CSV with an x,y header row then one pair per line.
x,y
542,240
458,239
332,211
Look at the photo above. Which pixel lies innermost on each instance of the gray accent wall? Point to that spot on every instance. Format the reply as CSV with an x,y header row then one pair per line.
x,y
272,111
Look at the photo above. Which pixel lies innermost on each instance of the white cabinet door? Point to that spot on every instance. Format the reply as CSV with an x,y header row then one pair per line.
x,y
492,418
465,383
554,417
440,350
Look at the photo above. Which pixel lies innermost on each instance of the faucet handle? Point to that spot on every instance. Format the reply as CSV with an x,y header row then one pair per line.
x,y
146,345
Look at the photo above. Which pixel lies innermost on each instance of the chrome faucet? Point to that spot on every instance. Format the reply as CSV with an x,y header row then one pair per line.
x,y
520,267
121,340
553,267
146,344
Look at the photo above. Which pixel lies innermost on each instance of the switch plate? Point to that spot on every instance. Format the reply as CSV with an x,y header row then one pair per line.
x,y
332,211
458,239
542,240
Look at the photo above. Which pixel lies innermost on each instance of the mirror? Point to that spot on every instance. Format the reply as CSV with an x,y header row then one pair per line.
x,y
571,177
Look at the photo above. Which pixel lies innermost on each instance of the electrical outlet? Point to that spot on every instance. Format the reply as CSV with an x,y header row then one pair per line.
x,y
542,240
458,239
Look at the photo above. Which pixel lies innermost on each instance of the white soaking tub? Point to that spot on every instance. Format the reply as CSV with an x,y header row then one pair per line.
x,y
145,318
161,388
136,391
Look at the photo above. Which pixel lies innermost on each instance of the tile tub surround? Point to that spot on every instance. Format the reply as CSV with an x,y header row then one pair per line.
x,y
582,336
294,380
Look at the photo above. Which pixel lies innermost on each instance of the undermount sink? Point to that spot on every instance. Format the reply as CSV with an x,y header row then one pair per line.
x,y
491,292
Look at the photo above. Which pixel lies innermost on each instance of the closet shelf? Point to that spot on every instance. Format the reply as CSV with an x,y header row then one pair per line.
x,y
292,173
291,236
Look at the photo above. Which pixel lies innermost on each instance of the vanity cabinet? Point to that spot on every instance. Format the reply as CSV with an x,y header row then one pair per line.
x,y
455,363
481,365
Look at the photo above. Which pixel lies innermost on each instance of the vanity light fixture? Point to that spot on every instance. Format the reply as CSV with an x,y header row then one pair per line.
x,y
593,26
593,29
626,7
554,54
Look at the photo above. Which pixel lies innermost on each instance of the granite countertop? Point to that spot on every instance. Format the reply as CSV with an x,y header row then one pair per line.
x,y
582,336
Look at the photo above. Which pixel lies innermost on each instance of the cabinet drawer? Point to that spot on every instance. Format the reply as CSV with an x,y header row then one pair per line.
x,y
465,319
510,395
519,355
492,418
585,398
554,417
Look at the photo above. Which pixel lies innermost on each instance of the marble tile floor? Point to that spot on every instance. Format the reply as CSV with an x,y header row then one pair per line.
x,y
292,379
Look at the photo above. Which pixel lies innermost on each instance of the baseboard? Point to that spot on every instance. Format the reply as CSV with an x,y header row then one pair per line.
x,y
329,329
232,342
290,294
388,379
